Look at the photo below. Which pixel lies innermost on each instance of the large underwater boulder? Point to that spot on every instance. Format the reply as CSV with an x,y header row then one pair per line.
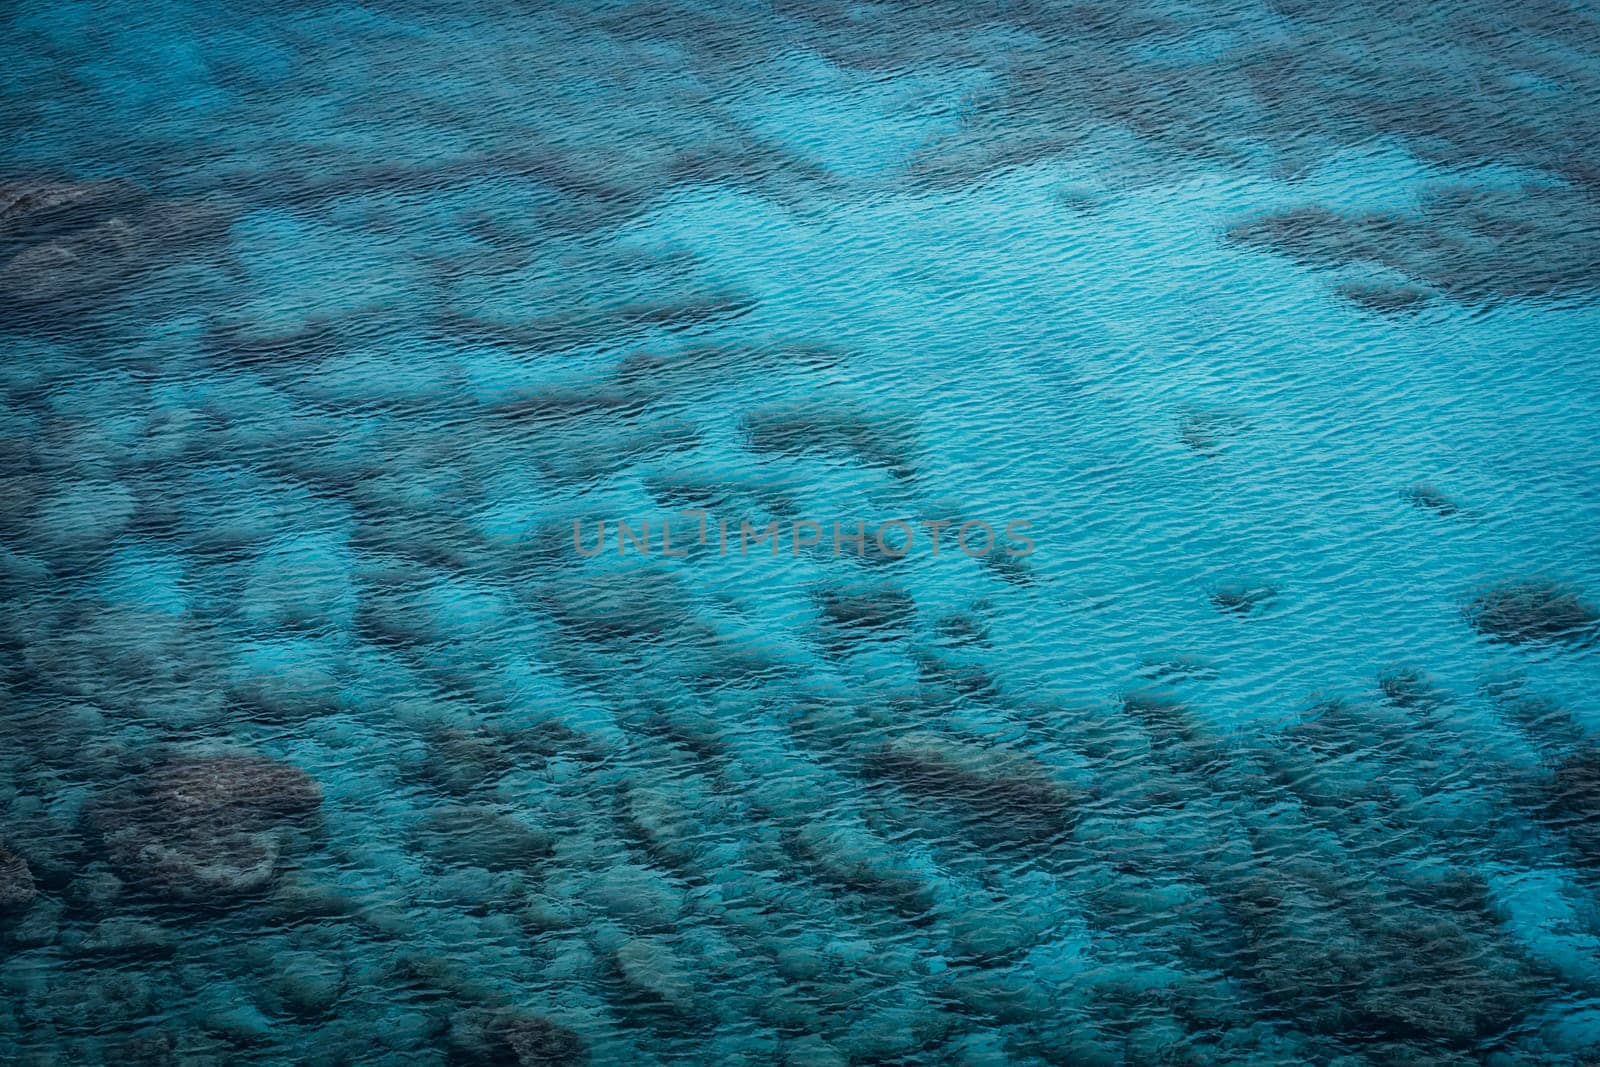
x,y
203,827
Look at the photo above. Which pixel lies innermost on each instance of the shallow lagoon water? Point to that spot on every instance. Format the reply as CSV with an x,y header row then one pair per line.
x,y
324,742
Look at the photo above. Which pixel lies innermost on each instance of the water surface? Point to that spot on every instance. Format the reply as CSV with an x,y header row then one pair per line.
x,y
1275,324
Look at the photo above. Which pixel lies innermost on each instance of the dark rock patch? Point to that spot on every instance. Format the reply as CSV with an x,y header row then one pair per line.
x,y
1008,566
1311,235
154,1048
868,612
16,883
1352,960
31,208
691,311
1426,498
232,348
1178,667
652,371
990,782
1334,730
881,441
1205,432
1475,245
1165,718
963,629
514,1038
567,330
1385,299
461,760
557,406
58,270
1534,611
855,859
1575,800
1242,598
1407,687
586,452
1549,724
122,937
203,827
956,677
80,246
886,607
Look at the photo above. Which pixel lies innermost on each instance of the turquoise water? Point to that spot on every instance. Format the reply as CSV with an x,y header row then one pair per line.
x,y
1261,336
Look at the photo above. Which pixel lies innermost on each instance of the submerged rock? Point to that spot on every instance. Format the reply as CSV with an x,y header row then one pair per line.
x,y
639,896
78,244
1577,783
1205,432
203,827
150,1049
1575,801
16,882
461,760
514,1039
813,1052
1533,611
40,925
854,857
1180,665
70,266
303,581
1386,299
84,515
650,967
34,205
640,602
1408,687
895,1031
1473,244
476,836
691,309
1311,234
947,678
867,609
122,936
308,984
1241,598
884,441
1426,497
992,782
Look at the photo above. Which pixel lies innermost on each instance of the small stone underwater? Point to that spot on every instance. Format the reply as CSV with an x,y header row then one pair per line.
x,y
331,333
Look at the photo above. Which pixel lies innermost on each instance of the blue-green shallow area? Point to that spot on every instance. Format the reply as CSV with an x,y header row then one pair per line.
x,y
323,742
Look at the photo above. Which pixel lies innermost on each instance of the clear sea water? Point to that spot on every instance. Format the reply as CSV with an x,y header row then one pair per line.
x,y
322,323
